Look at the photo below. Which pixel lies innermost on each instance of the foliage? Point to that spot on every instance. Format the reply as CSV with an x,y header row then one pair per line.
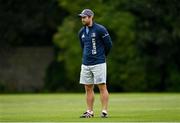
x,y
145,37
28,23
143,33
158,37
124,67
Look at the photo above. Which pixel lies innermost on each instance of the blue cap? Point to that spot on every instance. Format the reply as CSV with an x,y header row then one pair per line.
x,y
86,12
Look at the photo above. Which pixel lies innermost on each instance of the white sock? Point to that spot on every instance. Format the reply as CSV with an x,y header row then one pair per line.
x,y
104,111
91,112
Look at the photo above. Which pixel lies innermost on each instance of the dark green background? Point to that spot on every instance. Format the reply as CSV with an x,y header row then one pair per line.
x,y
145,35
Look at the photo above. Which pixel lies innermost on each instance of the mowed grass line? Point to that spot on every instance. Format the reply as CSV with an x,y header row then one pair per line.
x,y
126,107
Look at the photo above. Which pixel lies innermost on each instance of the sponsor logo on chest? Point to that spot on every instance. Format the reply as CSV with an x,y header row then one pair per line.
x,y
93,35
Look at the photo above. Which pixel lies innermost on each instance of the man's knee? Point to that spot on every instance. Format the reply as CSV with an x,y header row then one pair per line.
x,y
89,88
102,87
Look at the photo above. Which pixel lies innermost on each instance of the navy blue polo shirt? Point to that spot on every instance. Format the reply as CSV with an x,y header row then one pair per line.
x,y
95,44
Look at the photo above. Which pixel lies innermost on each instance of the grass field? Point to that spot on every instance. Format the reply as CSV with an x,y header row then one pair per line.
x,y
128,107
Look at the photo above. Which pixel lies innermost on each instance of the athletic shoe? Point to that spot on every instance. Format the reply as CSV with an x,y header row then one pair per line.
x,y
87,115
104,115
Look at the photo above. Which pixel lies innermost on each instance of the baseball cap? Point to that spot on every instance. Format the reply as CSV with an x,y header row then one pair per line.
x,y
86,12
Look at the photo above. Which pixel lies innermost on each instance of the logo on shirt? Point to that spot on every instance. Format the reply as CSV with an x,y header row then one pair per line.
x,y
93,35
93,39
94,51
105,35
83,36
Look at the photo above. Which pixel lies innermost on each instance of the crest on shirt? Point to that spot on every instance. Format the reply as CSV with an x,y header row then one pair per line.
x,y
105,35
93,35
83,36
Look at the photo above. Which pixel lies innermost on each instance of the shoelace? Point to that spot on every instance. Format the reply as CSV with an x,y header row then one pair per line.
x,y
87,115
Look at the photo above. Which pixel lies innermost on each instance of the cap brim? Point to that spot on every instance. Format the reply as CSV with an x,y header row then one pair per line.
x,y
82,15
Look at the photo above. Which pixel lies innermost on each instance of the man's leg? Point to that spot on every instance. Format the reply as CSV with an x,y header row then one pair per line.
x,y
89,97
104,95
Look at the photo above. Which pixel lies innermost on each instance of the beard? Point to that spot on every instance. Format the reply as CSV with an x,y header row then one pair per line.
x,y
85,23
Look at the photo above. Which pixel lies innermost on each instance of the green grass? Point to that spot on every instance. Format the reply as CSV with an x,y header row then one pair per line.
x,y
129,107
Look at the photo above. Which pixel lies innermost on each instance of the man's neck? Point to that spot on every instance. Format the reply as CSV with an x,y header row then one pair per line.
x,y
90,24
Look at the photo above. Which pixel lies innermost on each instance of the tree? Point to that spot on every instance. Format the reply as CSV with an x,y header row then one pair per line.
x,y
124,63
158,41
29,23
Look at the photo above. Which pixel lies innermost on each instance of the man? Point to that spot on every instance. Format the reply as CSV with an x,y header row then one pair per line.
x,y
96,44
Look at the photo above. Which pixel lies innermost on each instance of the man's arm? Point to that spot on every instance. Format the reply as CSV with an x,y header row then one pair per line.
x,y
106,40
80,39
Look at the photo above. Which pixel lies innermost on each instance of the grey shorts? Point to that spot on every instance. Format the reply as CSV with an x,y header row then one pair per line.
x,y
93,74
